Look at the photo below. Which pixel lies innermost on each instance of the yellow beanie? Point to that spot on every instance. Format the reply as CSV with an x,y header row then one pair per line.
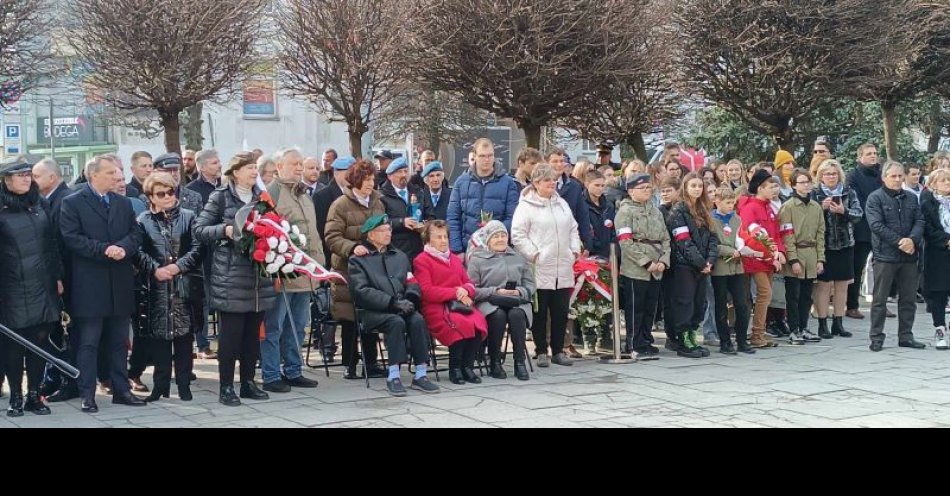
x,y
783,157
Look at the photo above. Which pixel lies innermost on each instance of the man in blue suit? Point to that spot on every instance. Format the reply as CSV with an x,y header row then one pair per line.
x,y
100,237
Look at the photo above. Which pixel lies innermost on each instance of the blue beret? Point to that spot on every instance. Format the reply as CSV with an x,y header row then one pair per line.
x,y
432,167
343,163
399,163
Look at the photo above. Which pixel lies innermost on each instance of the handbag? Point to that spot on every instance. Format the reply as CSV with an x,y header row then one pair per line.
x,y
459,307
506,302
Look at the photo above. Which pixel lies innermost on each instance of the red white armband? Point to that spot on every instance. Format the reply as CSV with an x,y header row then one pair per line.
x,y
624,234
681,234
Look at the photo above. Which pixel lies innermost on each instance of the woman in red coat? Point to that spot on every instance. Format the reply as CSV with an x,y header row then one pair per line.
x,y
762,233
445,283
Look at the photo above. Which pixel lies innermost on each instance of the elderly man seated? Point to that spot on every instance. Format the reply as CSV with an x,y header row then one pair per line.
x,y
385,291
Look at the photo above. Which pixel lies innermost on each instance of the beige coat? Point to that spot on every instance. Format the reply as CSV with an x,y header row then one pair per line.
x,y
344,221
296,207
803,228
545,233
644,239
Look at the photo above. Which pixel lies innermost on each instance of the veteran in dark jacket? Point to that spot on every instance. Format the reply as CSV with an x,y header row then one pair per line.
x,y
897,234
436,193
400,199
169,255
101,238
388,297
31,274
237,289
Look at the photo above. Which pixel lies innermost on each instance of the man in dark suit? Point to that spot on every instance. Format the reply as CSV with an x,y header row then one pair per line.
x,y
404,208
141,169
48,175
436,193
100,237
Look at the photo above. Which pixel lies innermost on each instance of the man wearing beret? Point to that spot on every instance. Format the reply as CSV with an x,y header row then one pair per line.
x,y
387,296
436,195
402,201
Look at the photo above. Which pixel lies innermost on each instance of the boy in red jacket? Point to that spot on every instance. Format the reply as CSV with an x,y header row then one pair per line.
x,y
760,231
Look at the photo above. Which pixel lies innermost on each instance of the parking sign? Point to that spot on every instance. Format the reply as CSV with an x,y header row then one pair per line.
x,y
12,131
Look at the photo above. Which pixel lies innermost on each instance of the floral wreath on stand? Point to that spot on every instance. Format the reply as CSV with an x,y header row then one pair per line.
x,y
592,303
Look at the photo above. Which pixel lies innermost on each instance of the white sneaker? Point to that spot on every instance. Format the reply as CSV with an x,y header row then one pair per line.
x,y
940,339
796,338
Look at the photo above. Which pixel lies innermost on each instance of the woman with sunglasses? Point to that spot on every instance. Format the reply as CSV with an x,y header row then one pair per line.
x,y
30,282
169,252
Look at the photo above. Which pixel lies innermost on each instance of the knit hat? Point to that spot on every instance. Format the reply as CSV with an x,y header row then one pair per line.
x,y
783,157
760,177
482,236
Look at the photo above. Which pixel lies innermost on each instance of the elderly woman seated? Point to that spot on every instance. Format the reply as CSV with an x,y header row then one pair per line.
x,y
447,303
504,288
384,289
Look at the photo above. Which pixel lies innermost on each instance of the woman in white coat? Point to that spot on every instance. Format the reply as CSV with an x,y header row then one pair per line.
x,y
545,233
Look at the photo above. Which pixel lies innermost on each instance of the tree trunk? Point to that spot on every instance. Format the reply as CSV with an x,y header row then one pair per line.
x,y
890,129
356,144
639,147
171,123
193,127
532,136
936,128
785,137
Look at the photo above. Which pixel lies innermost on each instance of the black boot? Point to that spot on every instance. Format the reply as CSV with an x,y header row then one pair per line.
x,y
782,327
726,347
250,391
470,376
521,371
35,405
67,391
184,392
455,377
837,328
228,397
823,331
497,371
16,404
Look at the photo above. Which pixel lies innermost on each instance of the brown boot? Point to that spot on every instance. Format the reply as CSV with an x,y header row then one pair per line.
x,y
760,340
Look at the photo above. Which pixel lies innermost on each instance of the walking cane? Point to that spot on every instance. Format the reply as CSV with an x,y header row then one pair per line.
x,y
69,370
617,358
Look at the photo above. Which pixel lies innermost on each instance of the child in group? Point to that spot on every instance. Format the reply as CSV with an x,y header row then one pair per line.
x,y
645,244
728,276
803,231
669,196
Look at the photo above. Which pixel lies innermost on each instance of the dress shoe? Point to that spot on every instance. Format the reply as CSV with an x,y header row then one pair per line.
x,y
302,382
34,404
16,405
727,348
744,348
184,392
352,375
90,406
470,376
912,344
455,377
497,371
128,400
877,346
278,386
67,392
156,395
250,391
228,397
521,371
854,314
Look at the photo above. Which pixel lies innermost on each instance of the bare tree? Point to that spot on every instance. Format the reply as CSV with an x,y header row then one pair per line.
x,y
341,55
167,55
772,62
533,61
433,118
910,61
24,45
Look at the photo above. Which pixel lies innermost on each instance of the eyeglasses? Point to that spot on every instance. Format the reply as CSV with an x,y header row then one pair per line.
x,y
162,194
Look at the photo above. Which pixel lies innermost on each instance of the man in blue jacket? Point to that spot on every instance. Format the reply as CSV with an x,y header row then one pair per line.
x,y
573,193
485,190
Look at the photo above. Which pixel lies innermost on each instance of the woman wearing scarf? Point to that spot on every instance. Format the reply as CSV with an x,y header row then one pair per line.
x,y
935,203
842,211
447,303
803,229
504,289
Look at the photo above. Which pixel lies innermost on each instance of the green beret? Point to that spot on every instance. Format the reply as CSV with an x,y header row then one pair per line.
x,y
374,222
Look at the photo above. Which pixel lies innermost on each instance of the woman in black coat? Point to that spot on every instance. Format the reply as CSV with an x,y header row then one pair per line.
x,y
169,253
935,204
30,282
238,292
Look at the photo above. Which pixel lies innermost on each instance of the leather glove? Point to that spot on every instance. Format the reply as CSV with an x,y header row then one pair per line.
x,y
404,307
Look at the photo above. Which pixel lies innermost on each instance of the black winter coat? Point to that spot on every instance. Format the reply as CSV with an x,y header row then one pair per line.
x,y
322,200
99,286
602,226
404,239
436,212
574,194
692,246
936,252
839,228
168,239
377,281
30,262
235,284
864,181
894,216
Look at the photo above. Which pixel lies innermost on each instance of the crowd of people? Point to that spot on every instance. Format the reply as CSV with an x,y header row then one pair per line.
x,y
732,256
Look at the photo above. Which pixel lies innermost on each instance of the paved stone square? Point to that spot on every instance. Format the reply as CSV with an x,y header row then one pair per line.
x,y
837,383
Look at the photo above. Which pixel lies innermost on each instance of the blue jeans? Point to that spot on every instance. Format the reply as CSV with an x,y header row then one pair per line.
x,y
709,324
279,344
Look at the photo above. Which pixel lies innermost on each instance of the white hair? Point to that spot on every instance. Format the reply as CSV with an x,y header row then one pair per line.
x,y
52,166
281,155
890,164
204,156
